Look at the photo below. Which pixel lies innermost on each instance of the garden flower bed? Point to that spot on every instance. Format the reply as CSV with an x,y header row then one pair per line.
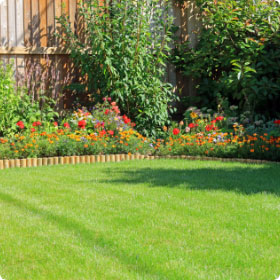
x,y
103,131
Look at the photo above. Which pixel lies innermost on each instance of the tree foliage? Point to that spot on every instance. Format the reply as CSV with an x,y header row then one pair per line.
x,y
237,59
122,51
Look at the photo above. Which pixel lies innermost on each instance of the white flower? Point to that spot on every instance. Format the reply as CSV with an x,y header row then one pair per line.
x,y
0,275
275,279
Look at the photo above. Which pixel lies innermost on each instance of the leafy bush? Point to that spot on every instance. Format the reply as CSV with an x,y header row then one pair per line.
x,y
237,59
16,106
122,51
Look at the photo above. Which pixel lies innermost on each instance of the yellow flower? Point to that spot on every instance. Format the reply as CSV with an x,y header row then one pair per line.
x,y
193,115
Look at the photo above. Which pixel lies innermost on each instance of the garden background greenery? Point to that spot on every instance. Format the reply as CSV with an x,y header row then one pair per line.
x,y
160,219
122,54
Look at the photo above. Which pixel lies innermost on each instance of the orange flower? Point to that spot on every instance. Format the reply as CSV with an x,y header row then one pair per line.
x,y
86,146
252,150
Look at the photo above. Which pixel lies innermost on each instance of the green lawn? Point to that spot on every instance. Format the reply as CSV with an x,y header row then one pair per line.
x,y
162,219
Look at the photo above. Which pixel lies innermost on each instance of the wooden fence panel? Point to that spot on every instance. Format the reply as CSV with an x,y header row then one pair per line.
x,y
26,36
27,30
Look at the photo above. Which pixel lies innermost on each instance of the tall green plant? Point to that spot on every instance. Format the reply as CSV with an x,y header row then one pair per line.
x,y
237,58
122,50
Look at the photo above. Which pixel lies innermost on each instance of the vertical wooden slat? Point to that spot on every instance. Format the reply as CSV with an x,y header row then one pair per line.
x,y
12,23
12,42
27,22
43,7
58,10
35,21
4,28
35,59
65,6
50,22
58,61
43,22
19,39
27,18
72,13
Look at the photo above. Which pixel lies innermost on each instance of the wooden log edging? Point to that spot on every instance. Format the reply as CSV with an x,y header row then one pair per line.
x,y
90,159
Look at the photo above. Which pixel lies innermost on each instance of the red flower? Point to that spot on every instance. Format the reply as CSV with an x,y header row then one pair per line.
x,y
214,121
66,125
210,127
111,132
113,103
277,122
107,111
192,125
82,124
55,124
176,131
126,119
38,123
219,118
102,132
20,124
32,129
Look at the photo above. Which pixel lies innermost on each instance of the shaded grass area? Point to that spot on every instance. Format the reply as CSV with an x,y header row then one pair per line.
x,y
165,219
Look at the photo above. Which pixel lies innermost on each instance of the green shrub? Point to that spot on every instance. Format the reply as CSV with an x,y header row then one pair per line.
x,y
122,51
16,105
237,59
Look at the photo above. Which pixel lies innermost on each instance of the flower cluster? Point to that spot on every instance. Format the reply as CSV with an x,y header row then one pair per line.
x,y
103,130
210,140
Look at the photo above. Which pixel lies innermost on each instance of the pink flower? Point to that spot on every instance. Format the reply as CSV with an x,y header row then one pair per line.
x,y
55,124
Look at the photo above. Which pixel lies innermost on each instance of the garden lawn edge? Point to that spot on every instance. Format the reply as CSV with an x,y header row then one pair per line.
x,y
91,159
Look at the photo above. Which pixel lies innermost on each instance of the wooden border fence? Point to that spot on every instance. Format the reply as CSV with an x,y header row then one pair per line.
x,y
27,35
